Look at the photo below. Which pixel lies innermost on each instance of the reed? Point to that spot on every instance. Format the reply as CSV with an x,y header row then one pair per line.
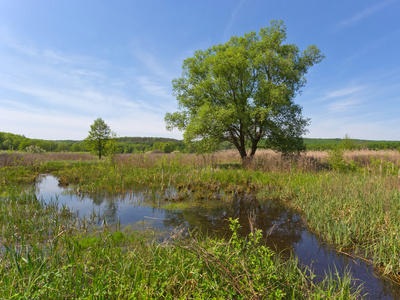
x,y
11,158
109,264
355,211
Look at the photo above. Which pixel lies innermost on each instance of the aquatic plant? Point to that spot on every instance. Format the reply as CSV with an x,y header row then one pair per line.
x,y
127,264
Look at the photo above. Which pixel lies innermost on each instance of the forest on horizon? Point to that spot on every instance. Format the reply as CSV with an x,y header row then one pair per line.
x,y
16,142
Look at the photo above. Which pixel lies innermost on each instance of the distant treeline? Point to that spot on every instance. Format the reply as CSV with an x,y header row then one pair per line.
x,y
9,141
353,144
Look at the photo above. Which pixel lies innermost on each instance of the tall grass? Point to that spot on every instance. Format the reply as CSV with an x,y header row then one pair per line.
x,y
10,158
355,211
57,260
46,252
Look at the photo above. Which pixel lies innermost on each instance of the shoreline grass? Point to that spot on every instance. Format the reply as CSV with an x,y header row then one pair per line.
x,y
355,210
57,261
49,255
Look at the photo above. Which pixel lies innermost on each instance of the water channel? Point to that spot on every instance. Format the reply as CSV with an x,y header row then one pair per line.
x,y
285,230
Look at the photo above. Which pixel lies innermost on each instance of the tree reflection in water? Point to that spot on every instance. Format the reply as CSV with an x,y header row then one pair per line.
x,y
281,226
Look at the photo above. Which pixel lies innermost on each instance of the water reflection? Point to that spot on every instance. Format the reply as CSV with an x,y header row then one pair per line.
x,y
126,209
283,229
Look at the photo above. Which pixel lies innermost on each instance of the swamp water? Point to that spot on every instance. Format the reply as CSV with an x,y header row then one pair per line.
x,y
284,229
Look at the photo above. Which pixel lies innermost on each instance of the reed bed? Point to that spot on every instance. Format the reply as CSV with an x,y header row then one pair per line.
x,y
8,159
356,211
266,160
48,253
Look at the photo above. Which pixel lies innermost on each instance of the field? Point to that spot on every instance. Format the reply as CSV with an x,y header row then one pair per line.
x,y
351,199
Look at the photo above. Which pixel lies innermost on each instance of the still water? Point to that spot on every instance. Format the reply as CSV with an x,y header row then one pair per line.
x,y
284,229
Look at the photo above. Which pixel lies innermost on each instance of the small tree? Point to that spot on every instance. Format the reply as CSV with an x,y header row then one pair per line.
x,y
100,140
168,147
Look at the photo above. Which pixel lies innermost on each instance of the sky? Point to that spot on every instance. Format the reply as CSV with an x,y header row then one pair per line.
x,y
65,63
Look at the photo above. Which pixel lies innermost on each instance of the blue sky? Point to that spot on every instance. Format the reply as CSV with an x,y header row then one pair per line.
x,y
65,63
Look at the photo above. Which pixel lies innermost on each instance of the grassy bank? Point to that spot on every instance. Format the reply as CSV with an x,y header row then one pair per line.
x,y
49,254
355,208
355,212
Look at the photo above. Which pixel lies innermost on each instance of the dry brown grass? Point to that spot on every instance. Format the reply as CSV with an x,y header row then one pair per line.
x,y
269,160
364,156
26,159
264,160
146,160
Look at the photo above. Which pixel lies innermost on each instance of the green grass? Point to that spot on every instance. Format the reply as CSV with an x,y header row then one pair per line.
x,y
111,264
49,250
50,254
355,211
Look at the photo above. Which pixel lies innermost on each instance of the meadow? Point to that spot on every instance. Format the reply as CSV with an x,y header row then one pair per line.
x,y
351,199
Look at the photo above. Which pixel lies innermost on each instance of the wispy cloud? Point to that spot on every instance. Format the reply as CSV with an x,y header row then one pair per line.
x,y
159,90
150,62
37,122
344,105
45,89
365,108
363,14
32,122
343,92
357,128
340,100
232,20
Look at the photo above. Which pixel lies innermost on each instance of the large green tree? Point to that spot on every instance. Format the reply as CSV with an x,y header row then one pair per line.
x,y
242,91
100,140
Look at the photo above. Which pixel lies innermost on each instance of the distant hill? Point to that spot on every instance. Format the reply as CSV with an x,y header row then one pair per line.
x,y
147,140
10,141
324,144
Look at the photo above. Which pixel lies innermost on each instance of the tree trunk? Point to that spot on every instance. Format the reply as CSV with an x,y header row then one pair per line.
x,y
247,161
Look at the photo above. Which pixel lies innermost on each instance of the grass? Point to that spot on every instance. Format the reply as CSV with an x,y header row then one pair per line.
x,y
60,259
355,211
49,250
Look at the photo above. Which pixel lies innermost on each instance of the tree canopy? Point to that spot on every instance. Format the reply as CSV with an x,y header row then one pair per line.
x,y
242,91
100,138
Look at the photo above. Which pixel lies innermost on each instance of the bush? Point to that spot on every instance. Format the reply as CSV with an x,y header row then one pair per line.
x,y
168,147
34,149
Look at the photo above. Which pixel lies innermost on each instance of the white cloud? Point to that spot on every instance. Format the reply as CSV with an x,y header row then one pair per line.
x,y
151,63
153,88
363,14
343,92
340,100
47,94
56,125
344,105
357,128
232,20
44,124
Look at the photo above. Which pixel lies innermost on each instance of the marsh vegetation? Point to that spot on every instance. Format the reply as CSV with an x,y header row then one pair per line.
x,y
350,200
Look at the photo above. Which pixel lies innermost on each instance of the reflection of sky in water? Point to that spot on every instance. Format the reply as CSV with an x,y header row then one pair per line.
x,y
322,259
288,231
127,209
